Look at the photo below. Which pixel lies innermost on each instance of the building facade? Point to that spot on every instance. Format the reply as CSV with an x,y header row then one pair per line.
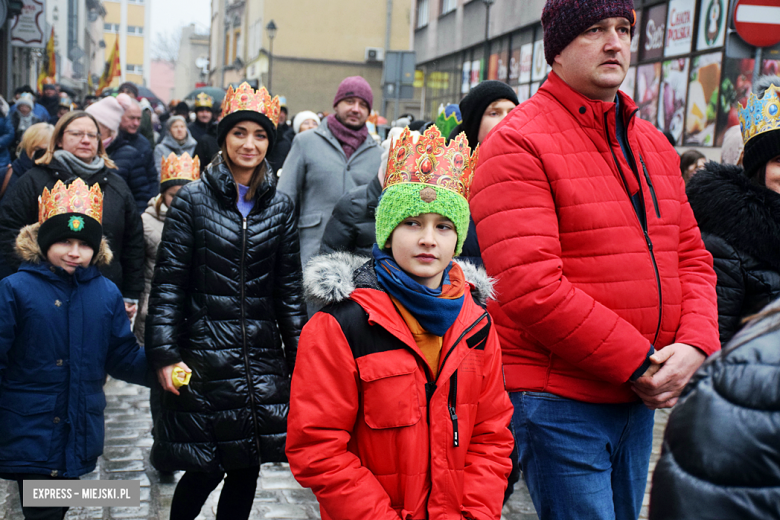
x,y
316,45
191,67
128,21
680,76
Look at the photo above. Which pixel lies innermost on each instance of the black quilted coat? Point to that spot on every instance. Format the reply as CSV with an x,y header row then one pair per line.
x,y
352,227
740,225
721,450
226,291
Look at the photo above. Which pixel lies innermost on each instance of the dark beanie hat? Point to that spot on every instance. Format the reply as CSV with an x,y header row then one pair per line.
x,y
354,86
231,120
760,150
70,225
564,20
473,106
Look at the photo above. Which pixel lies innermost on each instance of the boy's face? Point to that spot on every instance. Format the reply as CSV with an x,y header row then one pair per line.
x,y
423,246
70,254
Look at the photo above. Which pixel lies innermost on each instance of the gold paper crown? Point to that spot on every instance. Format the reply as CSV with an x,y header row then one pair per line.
x,y
180,168
760,115
429,161
246,98
76,198
203,100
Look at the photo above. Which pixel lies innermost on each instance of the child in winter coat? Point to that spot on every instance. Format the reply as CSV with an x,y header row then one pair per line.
x,y
63,326
398,407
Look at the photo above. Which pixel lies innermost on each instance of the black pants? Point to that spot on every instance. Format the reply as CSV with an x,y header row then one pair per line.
x,y
39,513
235,502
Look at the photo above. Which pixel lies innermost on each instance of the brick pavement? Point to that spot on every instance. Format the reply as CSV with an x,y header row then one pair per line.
x,y
278,496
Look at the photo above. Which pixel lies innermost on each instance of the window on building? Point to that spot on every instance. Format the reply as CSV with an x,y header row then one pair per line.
x,y
134,69
448,5
134,29
422,13
111,27
135,1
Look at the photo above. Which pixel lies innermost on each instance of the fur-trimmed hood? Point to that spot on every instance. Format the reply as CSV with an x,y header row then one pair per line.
x,y
28,250
333,277
727,204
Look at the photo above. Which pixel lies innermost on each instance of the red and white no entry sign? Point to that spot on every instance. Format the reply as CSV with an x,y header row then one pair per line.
x,y
758,21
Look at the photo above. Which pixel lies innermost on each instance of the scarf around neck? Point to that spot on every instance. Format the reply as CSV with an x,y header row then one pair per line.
x,y
350,139
78,167
435,309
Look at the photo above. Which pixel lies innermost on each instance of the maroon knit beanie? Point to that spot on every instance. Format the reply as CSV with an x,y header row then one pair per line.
x,y
354,86
564,20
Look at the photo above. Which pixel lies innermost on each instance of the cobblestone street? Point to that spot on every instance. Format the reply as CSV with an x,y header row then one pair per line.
x,y
278,496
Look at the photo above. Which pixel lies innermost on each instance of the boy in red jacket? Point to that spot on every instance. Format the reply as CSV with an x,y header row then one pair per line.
x,y
398,407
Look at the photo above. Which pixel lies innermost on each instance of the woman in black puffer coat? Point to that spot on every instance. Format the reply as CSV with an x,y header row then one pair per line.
x,y
739,217
721,450
226,292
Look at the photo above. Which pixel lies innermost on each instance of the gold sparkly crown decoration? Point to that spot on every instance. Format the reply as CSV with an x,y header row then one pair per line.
x,y
76,198
203,100
760,115
180,168
429,161
246,98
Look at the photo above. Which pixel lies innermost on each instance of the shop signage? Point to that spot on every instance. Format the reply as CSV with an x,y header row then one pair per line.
x,y
653,28
679,27
27,29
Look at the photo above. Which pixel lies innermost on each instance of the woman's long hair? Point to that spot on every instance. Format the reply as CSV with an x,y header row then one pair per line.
x,y
59,132
257,177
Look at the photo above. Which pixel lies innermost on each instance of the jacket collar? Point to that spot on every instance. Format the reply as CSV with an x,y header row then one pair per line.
x,y
220,180
323,131
171,143
589,113
727,204
60,173
58,275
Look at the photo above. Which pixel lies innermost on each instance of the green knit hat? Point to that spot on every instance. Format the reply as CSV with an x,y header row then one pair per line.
x,y
426,177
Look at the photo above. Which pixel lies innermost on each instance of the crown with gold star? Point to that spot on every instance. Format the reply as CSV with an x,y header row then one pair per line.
x,y
203,100
75,198
183,168
247,98
760,115
428,160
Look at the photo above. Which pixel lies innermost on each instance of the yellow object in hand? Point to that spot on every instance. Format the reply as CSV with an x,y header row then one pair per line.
x,y
180,377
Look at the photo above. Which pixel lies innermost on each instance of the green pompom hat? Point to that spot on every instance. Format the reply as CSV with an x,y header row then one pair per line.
x,y
404,200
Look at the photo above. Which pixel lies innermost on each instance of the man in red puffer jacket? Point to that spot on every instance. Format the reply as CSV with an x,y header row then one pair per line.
x,y
606,294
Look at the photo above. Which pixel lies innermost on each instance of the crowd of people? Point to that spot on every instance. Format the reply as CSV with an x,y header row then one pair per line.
x,y
412,323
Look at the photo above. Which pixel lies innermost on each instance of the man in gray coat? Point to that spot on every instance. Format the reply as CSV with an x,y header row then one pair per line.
x,y
325,163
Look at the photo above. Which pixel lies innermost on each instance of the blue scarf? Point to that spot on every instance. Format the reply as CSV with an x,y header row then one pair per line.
x,y
436,315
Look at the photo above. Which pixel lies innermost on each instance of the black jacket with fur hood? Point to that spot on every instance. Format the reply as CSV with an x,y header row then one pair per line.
x,y
121,221
740,225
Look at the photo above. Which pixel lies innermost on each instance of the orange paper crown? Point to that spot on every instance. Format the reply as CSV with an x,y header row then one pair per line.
x,y
76,198
246,98
203,100
180,168
429,161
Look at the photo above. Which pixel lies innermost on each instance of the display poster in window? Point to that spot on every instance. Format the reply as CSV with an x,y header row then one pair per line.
x,y
735,87
523,93
648,82
703,90
493,67
503,61
636,38
476,70
465,84
526,62
651,44
514,67
679,27
534,87
539,70
712,24
629,82
671,97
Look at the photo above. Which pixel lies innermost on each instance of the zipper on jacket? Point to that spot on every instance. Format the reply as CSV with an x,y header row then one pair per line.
x,y
642,222
451,402
243,338
652,188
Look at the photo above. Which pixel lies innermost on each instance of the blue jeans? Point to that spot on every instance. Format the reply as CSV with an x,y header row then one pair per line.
x,y
583,460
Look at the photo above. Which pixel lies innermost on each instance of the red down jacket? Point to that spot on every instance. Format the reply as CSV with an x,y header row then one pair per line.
x,y
583,289
360,433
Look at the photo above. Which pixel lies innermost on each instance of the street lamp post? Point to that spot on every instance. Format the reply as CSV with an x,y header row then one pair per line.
x,y
271,28
488,5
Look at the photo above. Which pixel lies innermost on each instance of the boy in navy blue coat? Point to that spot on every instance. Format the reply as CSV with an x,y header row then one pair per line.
x,y
63,326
